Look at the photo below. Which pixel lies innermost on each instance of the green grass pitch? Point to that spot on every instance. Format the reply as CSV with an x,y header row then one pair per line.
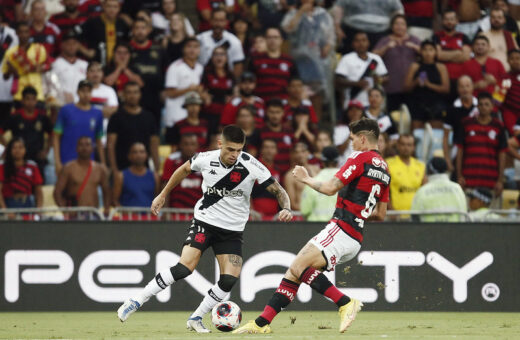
x,y
307,325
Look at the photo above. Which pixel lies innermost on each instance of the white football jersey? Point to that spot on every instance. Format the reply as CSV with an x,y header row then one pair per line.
x,y
227,190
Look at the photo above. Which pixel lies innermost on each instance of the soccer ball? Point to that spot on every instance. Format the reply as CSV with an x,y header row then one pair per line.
x,y
226,316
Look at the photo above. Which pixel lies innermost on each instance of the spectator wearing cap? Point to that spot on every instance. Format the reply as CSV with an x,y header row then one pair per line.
x,y
359,71
314,206
262,200
218,36
192,124
32,125
246,88
479,202
407,172
482,147
70,17
42,31
102,33
74,121
147,59
273,69
69,69
182,76
439,194
218,81
342,131
299,156
129,125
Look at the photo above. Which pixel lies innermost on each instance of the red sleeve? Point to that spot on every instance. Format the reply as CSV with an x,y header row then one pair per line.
x,y
203,4
168,170
352,169
1,173
228,115
385,196
37,177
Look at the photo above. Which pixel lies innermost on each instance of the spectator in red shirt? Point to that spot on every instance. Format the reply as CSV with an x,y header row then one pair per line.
x,y
246,121
69,18
20,179
274,129
246,87
483,70
217,79
482,147
42,31
511,82
189,191
273,69
296,103
453,48
191,124
263,201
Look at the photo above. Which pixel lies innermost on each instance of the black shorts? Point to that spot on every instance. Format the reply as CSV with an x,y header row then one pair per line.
x,y
202,236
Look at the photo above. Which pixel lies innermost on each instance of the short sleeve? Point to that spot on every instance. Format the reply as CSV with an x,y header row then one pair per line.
x,y
112,98
381,67
171,77
197,161
37,177
236,52
47,124
168,170
352,169
342,68
261,173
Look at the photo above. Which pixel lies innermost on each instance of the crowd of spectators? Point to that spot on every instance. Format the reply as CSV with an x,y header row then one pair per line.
x,y
91,90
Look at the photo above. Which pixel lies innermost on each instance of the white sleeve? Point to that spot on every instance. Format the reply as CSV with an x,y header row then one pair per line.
x,y
112,98
189,28
342,68
260,172
230,3
381,67
197,161
236,52
171,77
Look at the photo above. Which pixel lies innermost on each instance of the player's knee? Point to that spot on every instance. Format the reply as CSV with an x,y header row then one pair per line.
x,y
226,282
180,271
296,270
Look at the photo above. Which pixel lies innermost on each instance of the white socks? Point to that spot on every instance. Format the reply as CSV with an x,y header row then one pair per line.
x,y
212,297
155,286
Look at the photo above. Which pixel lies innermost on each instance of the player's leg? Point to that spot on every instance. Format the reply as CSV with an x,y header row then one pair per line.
x,y
228,251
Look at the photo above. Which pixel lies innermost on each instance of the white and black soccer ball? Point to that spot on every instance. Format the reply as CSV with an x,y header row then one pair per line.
x,y
226,316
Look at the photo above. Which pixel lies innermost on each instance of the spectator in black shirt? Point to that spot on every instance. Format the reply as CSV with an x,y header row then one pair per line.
x,y
147,59
119,71
129,125
101,34
174,42
31,124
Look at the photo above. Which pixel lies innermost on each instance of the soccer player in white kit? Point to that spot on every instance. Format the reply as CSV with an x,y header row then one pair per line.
x,y
219,220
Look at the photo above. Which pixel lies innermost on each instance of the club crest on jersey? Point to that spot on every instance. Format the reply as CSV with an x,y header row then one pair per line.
x,y
200,238
348,172
377,162
492,134
235,177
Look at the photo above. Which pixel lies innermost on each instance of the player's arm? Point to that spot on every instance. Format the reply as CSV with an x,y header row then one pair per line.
x,y
379,212
181,173
281,195
329,188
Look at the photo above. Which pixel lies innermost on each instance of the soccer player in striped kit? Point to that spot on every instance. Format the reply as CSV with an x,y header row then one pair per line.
x,y
362,185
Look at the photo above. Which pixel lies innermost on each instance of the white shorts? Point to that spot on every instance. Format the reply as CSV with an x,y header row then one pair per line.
x,y
336,246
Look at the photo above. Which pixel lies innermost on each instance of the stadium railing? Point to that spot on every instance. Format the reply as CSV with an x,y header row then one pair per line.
x,y
166,214
428,215
52,213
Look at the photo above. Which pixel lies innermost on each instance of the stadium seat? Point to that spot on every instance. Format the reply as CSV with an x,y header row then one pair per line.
x,y
164,152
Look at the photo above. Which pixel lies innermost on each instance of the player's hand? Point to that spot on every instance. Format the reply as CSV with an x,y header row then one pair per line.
x,y
300,173
157,204
285,215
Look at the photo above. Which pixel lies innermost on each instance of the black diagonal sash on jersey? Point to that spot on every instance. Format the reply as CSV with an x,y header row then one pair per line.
x,y
370,68
225,182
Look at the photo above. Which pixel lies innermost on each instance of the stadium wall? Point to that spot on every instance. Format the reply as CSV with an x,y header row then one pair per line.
x,y
75,266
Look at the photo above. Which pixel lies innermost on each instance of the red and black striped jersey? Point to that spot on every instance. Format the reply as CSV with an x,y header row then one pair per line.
x,y
284,142
183,127
229,115
305,106
481,145
188,192
23,181
220,89
367,182
48,37
512,99
66,23
272,75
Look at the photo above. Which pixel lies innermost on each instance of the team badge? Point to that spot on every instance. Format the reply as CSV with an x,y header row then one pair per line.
x,y
28,172
492,134
284,67
287,139
472,133
200,238
376,162
235,177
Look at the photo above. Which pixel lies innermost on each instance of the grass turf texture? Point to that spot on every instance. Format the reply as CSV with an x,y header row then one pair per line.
x,y
306,325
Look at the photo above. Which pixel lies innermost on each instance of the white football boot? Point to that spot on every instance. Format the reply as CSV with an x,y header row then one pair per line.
x,y
128,307
195,324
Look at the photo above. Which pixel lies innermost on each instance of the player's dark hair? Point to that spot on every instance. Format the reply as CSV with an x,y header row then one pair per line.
x,y
274,102
234,134
137,143
29,90
378,89
427,43
480,37
83,137
139,19
188,40
513,51
131,83
395,17
249,108
21,23
218,9
368,127
485,95
273,28
93,64
449,10
269,140
9,166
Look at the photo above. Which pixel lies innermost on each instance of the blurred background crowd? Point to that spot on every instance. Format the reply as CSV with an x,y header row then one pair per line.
x,y
101,100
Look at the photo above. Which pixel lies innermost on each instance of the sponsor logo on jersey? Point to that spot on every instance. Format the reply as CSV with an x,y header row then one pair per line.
x,y
378,175
212,172
348,172
224,192
214,163
285,292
